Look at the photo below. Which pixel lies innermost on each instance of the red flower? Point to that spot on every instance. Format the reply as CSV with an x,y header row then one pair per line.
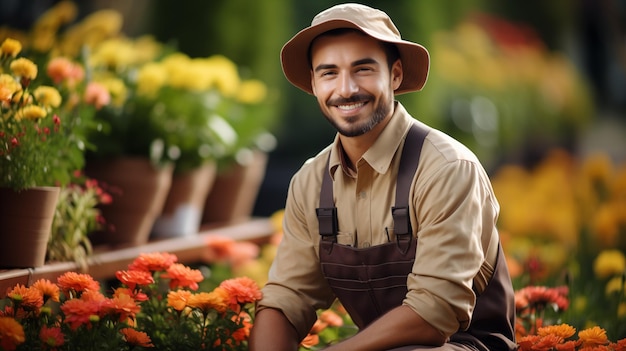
x,y
183,277
52,336
136,338
133,278
80,312
122,306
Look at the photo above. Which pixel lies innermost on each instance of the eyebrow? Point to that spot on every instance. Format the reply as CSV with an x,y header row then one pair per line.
x,y
364,61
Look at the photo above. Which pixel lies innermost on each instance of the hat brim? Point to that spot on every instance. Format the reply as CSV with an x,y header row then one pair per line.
x,y
295,63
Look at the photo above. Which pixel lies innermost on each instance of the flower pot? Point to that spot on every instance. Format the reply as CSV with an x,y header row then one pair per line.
x,y
234,192
138,189
184,206
25,223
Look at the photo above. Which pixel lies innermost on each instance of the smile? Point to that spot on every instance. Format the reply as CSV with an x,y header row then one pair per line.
x,y
350,106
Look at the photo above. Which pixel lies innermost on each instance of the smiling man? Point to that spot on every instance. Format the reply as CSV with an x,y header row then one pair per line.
x,y
395,219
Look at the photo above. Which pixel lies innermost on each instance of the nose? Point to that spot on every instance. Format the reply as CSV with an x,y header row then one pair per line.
x,y
347,85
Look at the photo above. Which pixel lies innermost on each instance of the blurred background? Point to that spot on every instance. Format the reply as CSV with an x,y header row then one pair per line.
x,y
512,80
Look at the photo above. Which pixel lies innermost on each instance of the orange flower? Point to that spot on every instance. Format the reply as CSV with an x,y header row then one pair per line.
x,y
122,306
332,318
547,343
183,276
61,69
72,282
177,299
526,343
136,338
318,326
567,346
214,300
245,321
52,336
133,278
91,295
620,345
153,262
594,336
537,296
562,330
26,298
48,289
135,294
79,312
11,333
310,340
241,290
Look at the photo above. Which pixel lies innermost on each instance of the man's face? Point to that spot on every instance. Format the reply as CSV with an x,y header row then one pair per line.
x,y
352,81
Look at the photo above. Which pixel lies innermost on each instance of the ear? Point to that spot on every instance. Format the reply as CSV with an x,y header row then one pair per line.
x,y
396,74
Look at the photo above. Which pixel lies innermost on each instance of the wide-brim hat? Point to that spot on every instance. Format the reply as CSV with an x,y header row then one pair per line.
x,y
373,22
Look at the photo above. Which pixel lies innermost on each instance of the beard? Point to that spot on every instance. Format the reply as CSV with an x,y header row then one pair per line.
x,y
355,127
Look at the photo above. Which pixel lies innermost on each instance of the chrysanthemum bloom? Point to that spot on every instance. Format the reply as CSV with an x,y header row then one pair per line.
x,y
133,278
568,346
241,290
153,262
182,276
97,95
206,302
30,112
92,295
547,343
138,295
310,340
177,299
11,333
332,318
245,321
620,345
136,338
80,312
122,306
26,298
609,263
47,96
541,296
526,343
10,48
72,282
24,68
592,337
52,336
48,289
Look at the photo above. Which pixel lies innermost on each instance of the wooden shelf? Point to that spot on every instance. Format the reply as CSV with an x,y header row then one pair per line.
x,y
107,260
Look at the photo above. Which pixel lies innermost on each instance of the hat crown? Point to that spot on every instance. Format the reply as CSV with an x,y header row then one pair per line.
x,y
372,21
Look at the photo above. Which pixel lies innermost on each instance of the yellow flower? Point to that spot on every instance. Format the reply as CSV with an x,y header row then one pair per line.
x,y
251,91
615,286
594,336
30,112
609,263
562,330
25,68
116,88
225,76
150,79
8,87
47,96
10,47
605,224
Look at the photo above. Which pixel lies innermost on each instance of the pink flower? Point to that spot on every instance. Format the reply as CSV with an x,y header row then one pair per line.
x,y
97,95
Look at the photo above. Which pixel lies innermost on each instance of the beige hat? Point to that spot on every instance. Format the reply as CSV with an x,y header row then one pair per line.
x,y
373,22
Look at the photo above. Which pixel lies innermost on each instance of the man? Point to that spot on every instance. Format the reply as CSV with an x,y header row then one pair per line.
x,y
430,277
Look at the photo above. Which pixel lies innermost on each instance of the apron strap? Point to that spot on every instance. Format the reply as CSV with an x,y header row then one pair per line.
x,y
327,212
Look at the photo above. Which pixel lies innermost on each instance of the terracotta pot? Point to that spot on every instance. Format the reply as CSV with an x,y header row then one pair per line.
x,y
139,190
184,206
234,192
25,224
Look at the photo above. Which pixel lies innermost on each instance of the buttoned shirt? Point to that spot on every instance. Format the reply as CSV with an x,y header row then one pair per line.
x,y
453,213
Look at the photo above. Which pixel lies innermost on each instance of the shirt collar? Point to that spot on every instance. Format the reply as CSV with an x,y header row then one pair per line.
x,y
381,153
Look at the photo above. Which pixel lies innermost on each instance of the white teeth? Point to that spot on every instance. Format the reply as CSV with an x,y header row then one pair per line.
x,y
350,107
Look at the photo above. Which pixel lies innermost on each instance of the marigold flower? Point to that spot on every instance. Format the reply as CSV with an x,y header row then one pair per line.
x,y
153,262
11,333
48,289
97,95
80,312
609,263
52,336
177,299
24,68
594,336
562,330
47,96
26,298
182,276
10,48
72,282
214,300
241,290
133,278
122,306
136,338
30,112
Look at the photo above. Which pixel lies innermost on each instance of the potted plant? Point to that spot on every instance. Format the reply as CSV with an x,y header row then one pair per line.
x,y
42,142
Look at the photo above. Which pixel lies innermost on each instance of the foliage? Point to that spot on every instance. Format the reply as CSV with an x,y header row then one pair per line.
x,y
155,306
43,118
76,216
562,224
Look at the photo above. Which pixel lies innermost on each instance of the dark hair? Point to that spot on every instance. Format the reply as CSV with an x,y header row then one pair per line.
x,y
391,50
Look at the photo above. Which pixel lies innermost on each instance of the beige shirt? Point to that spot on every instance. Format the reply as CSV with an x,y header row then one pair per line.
x,y
453,215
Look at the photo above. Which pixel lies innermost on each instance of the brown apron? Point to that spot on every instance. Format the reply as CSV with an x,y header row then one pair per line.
x,y
371,281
